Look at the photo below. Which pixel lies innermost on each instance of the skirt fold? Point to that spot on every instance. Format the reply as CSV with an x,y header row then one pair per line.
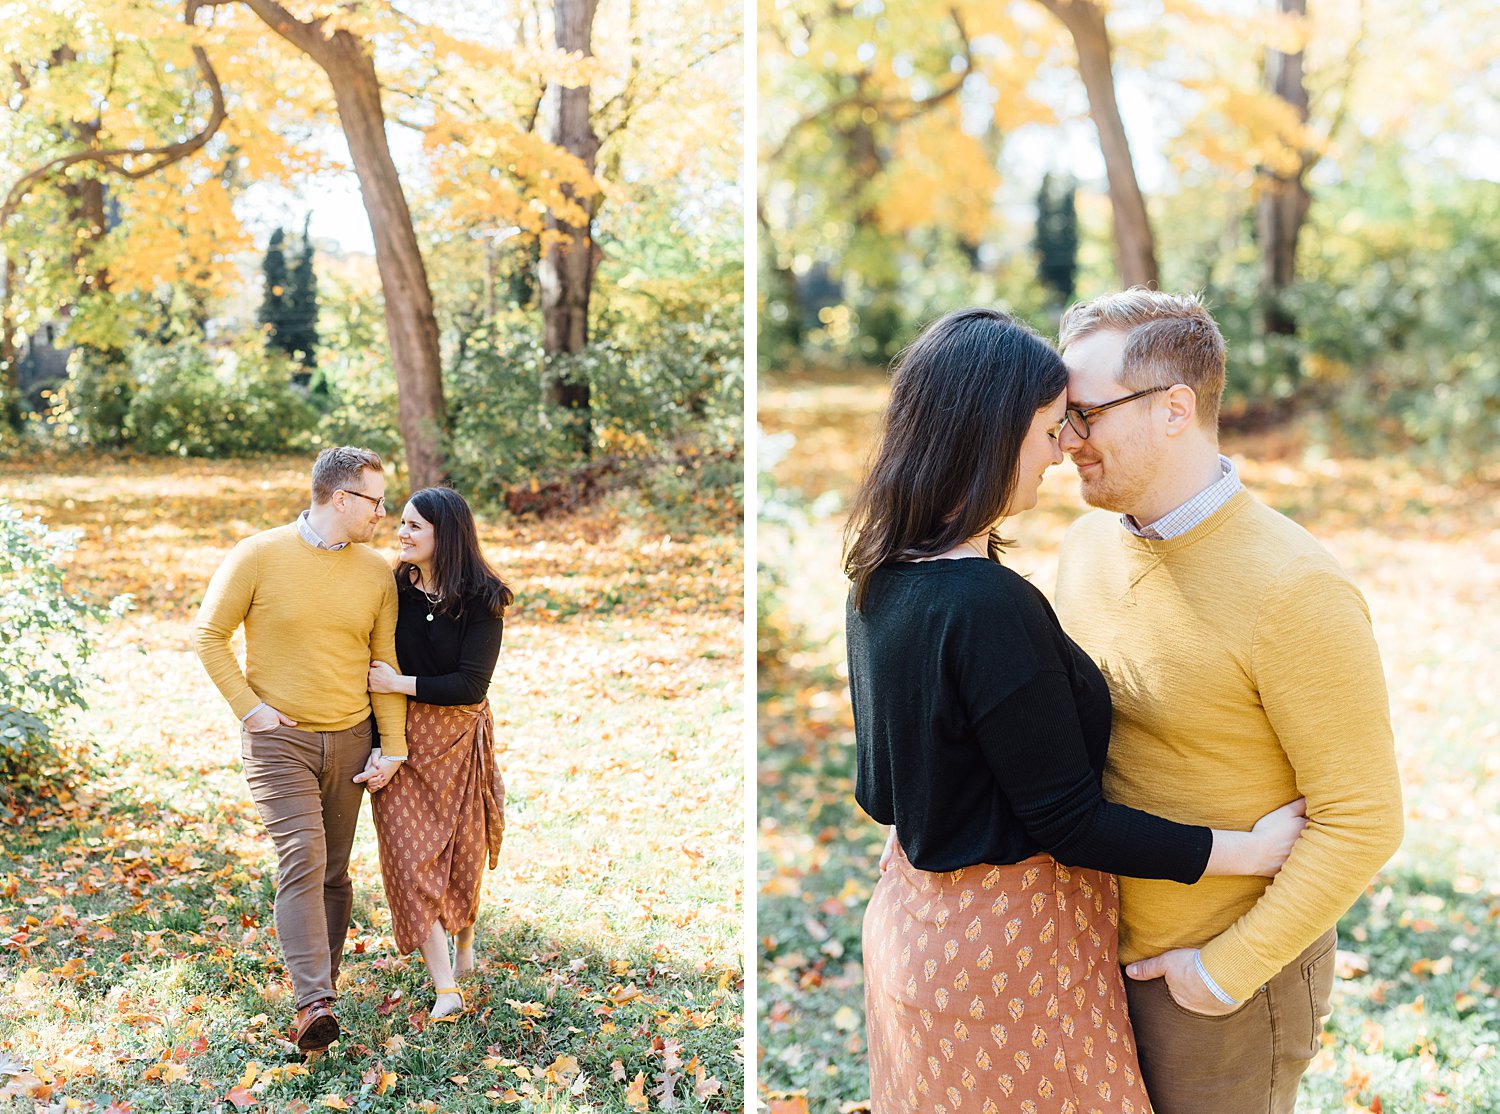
x,y
439,820
995,989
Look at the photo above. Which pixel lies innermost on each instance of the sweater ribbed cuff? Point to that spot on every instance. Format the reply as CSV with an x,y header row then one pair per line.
x,y
1233,966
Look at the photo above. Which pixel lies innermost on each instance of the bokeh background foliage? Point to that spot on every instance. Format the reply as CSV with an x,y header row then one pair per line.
x,y
1326,175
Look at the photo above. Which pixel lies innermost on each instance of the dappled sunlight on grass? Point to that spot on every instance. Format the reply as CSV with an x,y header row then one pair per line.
x,y
610,933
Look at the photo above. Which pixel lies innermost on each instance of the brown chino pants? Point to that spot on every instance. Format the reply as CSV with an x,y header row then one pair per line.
x,y
302,783
1246,1062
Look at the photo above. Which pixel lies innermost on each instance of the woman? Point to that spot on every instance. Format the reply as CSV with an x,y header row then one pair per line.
x,y
438,817
981,731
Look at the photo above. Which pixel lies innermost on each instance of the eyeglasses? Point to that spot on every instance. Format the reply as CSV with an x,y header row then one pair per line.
x,y
1079,419
379,502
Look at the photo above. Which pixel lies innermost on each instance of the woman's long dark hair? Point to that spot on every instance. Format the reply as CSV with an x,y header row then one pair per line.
x,y
963,395
459,570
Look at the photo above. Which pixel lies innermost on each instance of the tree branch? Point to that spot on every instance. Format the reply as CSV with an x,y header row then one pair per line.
x,y
113,159
914,109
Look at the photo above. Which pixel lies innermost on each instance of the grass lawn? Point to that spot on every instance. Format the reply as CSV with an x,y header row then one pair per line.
x,y
139,968
1416,1018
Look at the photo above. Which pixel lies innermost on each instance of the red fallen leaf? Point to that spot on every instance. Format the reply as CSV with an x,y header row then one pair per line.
x,y
240,1097
118,1108
388,1003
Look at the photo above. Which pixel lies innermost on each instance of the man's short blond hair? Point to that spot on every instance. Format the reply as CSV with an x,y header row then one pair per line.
x,y
1170,338
340,469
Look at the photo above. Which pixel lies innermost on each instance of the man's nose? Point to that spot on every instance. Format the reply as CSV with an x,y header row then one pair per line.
x,y
1067,440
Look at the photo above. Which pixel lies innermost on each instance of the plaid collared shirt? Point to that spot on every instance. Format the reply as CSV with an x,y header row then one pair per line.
x,y
310,536
1177,522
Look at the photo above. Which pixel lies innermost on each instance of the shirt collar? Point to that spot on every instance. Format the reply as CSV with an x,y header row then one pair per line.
x,y
1196,510
310,536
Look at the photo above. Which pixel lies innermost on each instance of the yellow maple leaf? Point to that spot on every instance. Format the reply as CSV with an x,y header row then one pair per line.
x,y
635,1094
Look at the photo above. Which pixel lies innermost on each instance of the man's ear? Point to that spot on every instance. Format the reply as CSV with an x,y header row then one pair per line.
x,y
1182,408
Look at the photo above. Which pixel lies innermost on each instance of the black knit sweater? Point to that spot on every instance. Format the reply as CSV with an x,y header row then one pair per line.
x,y
981,729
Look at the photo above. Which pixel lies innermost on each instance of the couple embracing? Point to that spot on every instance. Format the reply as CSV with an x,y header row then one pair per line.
x,y
1187,769
326,623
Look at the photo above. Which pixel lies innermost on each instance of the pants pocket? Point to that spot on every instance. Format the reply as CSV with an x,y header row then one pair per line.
x,y
1300,1001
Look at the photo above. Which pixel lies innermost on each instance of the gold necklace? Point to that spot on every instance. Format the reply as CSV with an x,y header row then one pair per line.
x,y
432,601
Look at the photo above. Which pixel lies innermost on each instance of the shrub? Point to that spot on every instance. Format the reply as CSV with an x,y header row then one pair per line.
x,y
669,392
186,399
44,652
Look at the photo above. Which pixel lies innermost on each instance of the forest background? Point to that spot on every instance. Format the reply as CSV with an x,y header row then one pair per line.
x,y
528,283
1327,175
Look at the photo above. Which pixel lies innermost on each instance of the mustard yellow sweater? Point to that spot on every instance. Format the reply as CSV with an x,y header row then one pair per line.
x,y
1244,674
314,620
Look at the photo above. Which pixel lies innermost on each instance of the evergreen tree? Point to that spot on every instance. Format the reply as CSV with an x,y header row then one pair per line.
x,y
1056,242
273,305
302,310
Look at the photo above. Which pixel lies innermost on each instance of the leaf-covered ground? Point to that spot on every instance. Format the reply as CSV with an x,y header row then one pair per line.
x,y
138,963
1417,1009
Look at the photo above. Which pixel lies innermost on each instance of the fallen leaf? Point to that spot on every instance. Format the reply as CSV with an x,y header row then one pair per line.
x,y
635,1094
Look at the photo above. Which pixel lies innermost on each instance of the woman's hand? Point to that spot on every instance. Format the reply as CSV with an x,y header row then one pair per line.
x,y
383,678
378,771
1276,832
889,852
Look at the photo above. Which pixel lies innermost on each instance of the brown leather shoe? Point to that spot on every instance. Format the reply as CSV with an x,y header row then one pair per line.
x,y
316,1027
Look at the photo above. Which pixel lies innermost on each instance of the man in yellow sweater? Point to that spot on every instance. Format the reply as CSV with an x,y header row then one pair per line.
x,y
1244,674
317,606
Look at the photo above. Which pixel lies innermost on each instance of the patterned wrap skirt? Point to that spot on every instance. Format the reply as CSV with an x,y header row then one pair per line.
x,y
997,988
440,818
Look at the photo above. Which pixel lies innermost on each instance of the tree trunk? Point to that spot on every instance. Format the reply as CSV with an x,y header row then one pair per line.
x,y
10,368
566,273
1284,199
411,326
410,323
1134,245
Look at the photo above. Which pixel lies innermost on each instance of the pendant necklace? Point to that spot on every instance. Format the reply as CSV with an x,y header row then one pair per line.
x,y
432,601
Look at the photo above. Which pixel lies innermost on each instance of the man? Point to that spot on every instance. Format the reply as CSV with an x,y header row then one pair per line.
x,y
318,606
1244,674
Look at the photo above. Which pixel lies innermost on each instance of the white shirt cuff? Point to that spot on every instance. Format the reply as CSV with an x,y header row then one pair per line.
x,y
1208,981
392,757
253,710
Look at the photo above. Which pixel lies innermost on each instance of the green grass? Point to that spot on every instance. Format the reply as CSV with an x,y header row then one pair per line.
x,y
609,938
1420,1029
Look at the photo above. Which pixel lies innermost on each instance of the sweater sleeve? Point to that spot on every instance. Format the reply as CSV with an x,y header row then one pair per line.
x,y
1034,743
1314,624
477,655
225,605
389,707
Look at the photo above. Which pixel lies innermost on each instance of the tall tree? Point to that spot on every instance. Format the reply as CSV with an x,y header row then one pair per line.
x,y
1284,197
411,326
302,309
1135,246
566,274
1056,239
272,314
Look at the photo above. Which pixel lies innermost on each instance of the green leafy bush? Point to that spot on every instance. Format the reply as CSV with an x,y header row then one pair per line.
x,y
45,646
670,391
186,399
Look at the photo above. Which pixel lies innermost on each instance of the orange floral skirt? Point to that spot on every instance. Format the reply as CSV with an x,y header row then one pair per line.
x,y
439,819
998,988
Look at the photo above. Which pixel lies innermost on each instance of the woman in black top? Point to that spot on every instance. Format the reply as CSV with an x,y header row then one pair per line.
x,y
445,813
981,731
